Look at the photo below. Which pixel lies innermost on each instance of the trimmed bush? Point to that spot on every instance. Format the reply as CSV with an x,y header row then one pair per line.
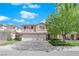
x,y
9,39
18,38
58,42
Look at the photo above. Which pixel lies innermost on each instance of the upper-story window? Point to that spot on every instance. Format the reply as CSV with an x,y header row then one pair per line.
x,y
31,27
24,27
28,27
41,27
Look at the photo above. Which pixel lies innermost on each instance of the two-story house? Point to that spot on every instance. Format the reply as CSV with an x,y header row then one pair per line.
x,y
33,32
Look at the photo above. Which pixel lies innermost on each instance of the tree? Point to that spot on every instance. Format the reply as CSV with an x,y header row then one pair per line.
x,y
52,25
65,20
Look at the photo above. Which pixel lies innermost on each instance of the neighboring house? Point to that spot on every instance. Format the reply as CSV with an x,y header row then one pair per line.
x,y
70,36
2,27
73,36
8,27
7,31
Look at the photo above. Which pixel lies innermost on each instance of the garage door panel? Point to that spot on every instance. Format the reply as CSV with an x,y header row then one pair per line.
x,y
33,37
26,39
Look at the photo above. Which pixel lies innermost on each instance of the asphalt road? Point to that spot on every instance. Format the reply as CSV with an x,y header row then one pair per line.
x,y
5,52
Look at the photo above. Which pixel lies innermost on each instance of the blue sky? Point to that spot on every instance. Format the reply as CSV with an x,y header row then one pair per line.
x,y
21,13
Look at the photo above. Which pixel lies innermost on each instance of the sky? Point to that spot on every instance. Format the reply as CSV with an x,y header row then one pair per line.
x,y
25,13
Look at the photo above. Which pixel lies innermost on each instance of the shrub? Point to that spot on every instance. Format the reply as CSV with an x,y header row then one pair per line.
x,y
9,39
58,42
18,38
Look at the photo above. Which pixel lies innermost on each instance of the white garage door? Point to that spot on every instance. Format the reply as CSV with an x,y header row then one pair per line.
x,y
29,37
26,39
33,37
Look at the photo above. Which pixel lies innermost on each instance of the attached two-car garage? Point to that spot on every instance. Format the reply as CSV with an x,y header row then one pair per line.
x,y
33,36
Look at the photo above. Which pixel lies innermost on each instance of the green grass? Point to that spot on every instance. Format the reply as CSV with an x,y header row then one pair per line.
x,y
59,42
73,42
3,43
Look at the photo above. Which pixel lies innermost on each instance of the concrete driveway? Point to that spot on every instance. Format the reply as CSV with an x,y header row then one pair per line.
x,y
37,48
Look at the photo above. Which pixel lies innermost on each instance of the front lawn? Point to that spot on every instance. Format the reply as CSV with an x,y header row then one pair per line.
x,y
73,42
2,43
59,42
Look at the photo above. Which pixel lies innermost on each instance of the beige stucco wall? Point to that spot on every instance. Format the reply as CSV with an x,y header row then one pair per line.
x,y
12,35
38,29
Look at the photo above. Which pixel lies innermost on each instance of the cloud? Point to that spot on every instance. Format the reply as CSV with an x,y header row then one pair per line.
x,y
3,18
43,21
33,6
16,4
24,6
21,20
26,14
29,5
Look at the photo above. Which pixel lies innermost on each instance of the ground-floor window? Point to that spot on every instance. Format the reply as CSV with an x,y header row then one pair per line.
x,y
72,36
77,36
